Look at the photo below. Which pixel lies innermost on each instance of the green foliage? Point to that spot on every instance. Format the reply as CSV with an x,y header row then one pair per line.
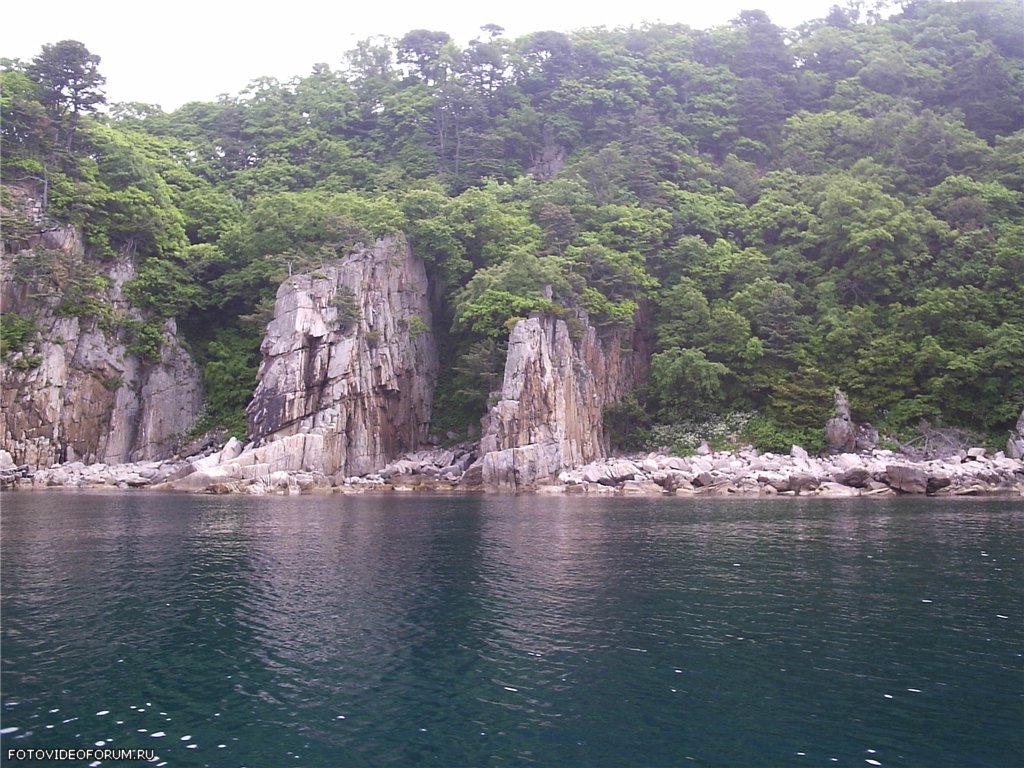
x,y
147,339
490,313
627,424
69,83
15,331
836,205
26,362
461,398
765,434
163,287
229,377
344,300
417,327
687,382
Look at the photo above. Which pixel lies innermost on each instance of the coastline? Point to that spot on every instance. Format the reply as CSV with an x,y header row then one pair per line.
x,y
457,470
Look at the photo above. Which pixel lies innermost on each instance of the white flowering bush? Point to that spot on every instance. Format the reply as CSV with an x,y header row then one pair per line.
x,y
683,438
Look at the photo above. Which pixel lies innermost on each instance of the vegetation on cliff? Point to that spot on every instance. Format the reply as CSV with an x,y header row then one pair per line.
x,y
836,205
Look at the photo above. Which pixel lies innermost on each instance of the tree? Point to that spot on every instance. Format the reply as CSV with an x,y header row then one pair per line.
x,y
424,49
70,83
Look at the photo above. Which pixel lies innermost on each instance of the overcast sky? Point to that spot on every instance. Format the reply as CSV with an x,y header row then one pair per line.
x,y
171,53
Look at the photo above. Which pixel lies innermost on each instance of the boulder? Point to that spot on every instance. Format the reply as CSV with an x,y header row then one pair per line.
x,y
837,489
641,487
703,480
840,431
906,479
620,471
473,477
802,482
854,477
232,449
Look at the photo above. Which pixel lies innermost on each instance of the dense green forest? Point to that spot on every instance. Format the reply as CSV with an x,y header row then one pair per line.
x,y
794,210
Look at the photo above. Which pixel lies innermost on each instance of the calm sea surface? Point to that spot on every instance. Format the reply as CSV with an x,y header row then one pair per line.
x,y
407,631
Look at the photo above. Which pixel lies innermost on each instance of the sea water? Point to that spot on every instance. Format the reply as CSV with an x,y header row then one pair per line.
x,y
401,630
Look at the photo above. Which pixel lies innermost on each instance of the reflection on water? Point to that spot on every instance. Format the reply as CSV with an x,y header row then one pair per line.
x,y
477,631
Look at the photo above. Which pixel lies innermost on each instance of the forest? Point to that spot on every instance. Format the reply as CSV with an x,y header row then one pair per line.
x,y
790,210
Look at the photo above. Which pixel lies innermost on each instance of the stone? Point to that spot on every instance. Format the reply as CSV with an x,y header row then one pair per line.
x,y
837,489
845,461
195,482
854,477
673,462
231,450
673,481
976,454
473,477
840,431
906,479
798,453
641,487
703,480
801,482
621,471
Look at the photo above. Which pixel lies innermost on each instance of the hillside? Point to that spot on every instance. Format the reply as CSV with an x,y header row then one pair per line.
x,y
783,212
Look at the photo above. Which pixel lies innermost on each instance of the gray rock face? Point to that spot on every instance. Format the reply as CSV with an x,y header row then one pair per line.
x,y
840,431
549,416
75,392
349,364
1015,445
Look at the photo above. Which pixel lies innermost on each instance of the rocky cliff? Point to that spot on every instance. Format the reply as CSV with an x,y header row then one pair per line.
x,y
349,365
71,390
550,412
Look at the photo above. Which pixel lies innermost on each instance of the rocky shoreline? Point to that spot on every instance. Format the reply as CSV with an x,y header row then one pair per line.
x,y
458,468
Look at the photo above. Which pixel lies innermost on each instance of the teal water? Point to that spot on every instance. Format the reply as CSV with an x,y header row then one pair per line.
x,y
407,631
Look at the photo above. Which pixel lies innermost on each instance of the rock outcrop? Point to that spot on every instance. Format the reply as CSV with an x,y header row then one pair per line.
x,y
74,391
1015,444
549,415
840,431
349,366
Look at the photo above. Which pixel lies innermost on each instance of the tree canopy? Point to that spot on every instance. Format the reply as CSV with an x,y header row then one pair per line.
x,y
835,205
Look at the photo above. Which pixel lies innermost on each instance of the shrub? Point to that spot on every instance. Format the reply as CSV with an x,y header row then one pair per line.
x,y
764,433
25,362
15,331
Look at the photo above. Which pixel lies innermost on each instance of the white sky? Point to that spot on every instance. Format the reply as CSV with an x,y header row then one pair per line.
x,y
191,50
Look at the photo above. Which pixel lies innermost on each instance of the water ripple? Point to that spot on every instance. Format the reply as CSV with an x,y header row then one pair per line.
x,y
535,631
